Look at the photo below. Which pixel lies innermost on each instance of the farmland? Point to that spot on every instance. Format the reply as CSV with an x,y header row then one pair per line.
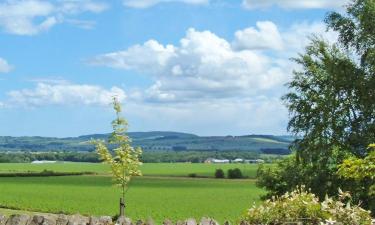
x,y
148,169
165,191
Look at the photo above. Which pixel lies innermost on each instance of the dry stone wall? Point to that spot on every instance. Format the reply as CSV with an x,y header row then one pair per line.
x,y
54,219
60,219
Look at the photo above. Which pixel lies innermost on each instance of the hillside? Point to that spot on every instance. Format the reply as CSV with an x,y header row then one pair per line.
x,y
151,141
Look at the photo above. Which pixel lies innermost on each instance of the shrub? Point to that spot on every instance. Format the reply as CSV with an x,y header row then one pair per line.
x,y
235,173
192,175
219,173
303,206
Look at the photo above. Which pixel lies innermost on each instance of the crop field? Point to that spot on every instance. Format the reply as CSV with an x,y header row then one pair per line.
x,y
148,169
164,192
159,198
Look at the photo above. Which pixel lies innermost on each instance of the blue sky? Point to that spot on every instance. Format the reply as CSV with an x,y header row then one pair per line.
x,y
210,67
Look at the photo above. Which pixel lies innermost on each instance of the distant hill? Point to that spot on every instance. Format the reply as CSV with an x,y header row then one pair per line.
x,y
154,141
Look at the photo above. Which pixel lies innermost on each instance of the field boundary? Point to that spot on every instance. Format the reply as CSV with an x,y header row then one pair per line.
x,y
45,173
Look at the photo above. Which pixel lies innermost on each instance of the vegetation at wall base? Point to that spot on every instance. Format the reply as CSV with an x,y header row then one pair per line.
x,y
303,206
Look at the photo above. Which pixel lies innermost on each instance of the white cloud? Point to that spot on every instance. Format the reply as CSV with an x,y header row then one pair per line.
x,y
203,66
206,78
219,117
151,57
267,36
149,3
298,35
295,4
63,94
4,66
30,17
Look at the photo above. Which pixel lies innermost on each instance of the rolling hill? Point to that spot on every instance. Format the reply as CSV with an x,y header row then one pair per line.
x,y
152,141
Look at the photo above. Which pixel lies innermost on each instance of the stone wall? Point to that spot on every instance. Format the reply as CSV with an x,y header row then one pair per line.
x,y
54,219
60,219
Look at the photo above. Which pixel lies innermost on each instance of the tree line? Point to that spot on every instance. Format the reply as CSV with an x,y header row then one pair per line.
x,y
147,157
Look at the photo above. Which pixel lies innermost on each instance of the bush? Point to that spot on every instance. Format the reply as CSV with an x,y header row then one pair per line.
x,y
192,175
303,206
320,180
219,173
235,173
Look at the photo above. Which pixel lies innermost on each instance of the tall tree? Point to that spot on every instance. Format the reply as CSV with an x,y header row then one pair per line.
x,y
331,101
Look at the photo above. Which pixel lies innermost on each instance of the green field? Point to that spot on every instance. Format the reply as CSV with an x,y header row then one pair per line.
x,y
160,194
148,169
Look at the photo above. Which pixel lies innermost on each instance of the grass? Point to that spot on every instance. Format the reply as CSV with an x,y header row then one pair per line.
x,y
148,169
164,191
156,197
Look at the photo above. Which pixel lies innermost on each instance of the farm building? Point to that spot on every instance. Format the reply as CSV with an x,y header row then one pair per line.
x,y
238,161
212,160
42,161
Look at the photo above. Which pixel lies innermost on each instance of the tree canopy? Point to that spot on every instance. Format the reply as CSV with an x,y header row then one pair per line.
x,y
331,102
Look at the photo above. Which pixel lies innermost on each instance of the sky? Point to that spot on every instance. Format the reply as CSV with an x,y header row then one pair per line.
x,y
209,67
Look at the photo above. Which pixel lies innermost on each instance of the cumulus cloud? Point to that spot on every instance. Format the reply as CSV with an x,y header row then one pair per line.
x,y
298,35
295,4
63,94
30,17
206,76
150,57
206,66
4,66
150,3
265,36
202,66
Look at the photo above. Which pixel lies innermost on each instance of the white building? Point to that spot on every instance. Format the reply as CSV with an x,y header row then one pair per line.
x,y
42,161
238,161
212,160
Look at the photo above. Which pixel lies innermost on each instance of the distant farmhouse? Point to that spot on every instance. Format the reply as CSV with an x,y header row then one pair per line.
x,y
42,161
212,160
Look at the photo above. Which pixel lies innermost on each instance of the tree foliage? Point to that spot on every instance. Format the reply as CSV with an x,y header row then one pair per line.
x,y
303,206
235,173
125,162
219,173
332,98
331,101
361,170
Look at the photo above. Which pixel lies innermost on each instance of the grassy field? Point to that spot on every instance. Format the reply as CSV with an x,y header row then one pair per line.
x,y
160,194
148,169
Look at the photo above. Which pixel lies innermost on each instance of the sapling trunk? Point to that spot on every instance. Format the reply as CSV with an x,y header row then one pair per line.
x,y
122,202
122,207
